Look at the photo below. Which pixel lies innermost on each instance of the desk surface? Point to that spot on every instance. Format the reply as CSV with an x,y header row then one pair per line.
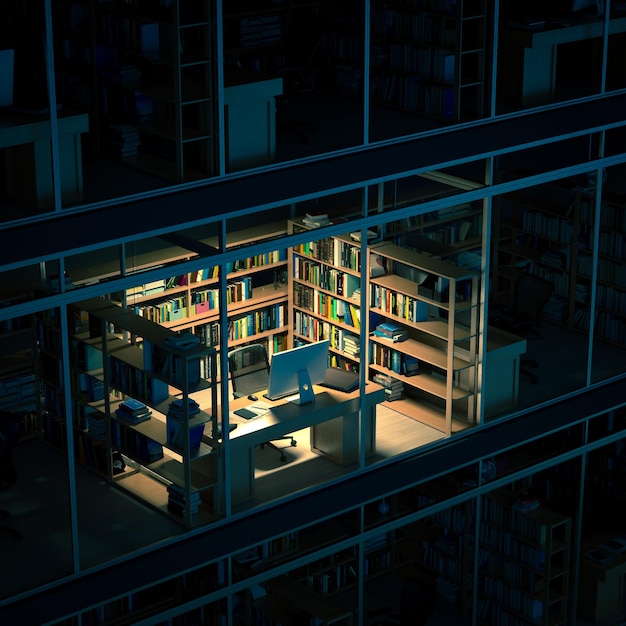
x,y
285,417
554,35
18,128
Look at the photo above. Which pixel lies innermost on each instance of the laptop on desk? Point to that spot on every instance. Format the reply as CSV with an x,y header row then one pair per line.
x,y
341,380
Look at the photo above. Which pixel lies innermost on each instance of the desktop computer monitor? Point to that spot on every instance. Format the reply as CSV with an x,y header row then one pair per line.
x,y
295,371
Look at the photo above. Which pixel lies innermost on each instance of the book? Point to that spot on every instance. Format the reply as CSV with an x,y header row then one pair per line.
x,y
133,407
377,265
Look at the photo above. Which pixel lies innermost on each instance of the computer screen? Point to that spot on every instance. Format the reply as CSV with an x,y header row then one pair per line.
x,y
295,371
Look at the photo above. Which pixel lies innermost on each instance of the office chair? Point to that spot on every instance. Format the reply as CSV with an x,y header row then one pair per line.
x,y
249,369
9,434
531,295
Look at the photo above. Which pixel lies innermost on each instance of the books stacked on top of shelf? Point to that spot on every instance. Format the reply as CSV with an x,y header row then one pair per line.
x,y
316,219
371,235
176,408
176,500
525,503
393,386
96,425
124,139
389,330
183,341
351,345
176,428
133,411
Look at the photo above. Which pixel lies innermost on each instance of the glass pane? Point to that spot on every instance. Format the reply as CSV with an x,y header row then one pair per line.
x,y
606,235
427,66
143,81
293,80
615,56
603,541
537,290
26,184
548,52
41,491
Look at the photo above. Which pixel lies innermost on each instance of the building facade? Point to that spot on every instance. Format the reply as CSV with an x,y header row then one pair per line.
x,y
222,174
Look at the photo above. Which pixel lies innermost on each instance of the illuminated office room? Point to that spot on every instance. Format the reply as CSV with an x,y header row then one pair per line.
x,y
312,312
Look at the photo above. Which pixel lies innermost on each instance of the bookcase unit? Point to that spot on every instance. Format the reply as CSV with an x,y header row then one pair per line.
x,y
429,57
540,234
156,104
18,382
118,357
256,299
610,320
439,548
326,295
442,394
550,231
524,560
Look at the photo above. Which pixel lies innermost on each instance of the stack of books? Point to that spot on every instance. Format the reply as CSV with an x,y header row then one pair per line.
x,y
316,219
390,330
176,500
124,139
351,345
393,386
525,503
176,408
184,341
133,411
176,430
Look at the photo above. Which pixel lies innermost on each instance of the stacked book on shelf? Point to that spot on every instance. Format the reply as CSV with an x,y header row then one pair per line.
x,y
176,428
316,219
392,331
351,345
176,500
133,411
393,386
123,139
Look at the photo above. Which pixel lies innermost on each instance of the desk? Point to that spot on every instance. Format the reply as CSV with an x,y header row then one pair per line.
x,y
250,118
29,159
601,585
529,57
501,371
333,419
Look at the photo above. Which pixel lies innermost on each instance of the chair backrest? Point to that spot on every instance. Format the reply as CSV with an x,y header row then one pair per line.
x,y
10,427
531,295
249,369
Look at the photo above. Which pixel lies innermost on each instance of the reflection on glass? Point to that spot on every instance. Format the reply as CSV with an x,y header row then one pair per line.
x,y
41,491
25,127
537,292
615,69
427,66
306,59
548,52
606,236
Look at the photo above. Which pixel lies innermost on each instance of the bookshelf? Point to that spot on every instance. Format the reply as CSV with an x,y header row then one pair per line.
x,y
610,321
550,231
133,413
326,295
539,231
429,57
446,232
156,105
533,547
257,299
427,299
18,382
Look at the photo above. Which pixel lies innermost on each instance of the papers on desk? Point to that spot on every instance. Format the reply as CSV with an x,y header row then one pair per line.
x,y
253,410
